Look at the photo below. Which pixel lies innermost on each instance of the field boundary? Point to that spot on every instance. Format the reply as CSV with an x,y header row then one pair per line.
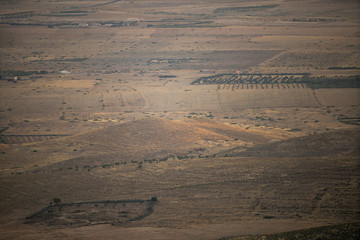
x,y
107,212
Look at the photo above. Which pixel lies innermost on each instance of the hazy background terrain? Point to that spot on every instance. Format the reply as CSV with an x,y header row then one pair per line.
x,y
179,119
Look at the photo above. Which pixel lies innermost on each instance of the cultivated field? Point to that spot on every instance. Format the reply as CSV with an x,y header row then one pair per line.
x,y
170,119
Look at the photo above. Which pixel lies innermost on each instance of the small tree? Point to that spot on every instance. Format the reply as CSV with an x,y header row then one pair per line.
x,y
57,201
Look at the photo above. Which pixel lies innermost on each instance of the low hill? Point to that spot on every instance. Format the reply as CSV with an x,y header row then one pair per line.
x,y
132,141
344,142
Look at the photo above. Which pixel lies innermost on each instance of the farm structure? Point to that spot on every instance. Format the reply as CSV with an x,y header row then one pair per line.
x,y
93,213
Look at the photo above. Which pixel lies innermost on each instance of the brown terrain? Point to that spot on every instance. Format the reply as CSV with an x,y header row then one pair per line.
x,y
167,119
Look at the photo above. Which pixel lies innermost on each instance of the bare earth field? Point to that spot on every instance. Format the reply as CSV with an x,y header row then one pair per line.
x,y
170,119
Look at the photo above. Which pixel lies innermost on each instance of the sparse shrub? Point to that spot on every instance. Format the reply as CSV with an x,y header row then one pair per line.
x,y
57,200
140,165
295,130
106,165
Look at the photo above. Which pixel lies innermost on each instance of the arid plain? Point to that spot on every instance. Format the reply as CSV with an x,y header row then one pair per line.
x,y
179,119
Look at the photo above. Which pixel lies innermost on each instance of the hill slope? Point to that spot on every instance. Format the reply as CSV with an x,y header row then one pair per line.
x,y
137,140
345,142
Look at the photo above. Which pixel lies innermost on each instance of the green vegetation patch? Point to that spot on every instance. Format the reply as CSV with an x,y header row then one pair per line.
x,y
167,76
13,73
350,120
17,15
196,24
74,11
343,68
65,15
68,59
245,9
333,82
